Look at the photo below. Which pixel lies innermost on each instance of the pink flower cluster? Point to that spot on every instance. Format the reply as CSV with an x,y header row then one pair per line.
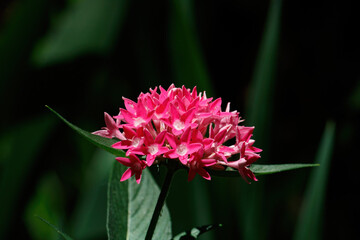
x,y
178,123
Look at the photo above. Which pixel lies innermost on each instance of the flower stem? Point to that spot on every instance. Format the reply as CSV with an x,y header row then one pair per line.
x,y
161,200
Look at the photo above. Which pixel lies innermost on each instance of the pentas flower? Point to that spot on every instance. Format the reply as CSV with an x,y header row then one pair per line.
x,y
182,148
136,167
111,130
154,147
179,124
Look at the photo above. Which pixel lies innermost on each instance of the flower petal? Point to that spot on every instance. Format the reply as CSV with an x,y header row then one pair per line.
x,y
127,174
202,172
161,138
208,162
125,161
148,138
191,175
129,105
138,177
193,147
172,140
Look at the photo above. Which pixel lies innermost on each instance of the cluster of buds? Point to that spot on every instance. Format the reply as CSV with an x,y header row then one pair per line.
x,y
180,124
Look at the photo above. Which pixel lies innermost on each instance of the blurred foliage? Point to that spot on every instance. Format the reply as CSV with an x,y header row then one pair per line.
x,y
288,69
310,220
89,26
48,203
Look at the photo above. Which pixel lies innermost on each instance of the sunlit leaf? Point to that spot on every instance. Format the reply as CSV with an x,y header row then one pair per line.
x,y
262,169
194,233
104,143
131,205
310,221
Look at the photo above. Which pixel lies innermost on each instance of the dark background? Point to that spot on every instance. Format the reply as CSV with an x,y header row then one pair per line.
x,y
81,57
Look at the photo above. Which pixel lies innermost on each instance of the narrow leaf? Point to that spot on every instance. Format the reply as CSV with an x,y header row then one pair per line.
x,y
261,90
130,207
194,233
310,221
259,110
262,169
65,236
187,59
104,143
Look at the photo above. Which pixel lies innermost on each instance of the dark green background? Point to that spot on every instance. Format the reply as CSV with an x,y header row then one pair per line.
x,y
81,56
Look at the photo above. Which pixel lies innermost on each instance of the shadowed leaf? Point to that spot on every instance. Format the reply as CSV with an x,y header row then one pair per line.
x,y
65,236
104,143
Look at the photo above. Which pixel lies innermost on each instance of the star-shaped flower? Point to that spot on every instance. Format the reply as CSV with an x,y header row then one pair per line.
x,y
136,167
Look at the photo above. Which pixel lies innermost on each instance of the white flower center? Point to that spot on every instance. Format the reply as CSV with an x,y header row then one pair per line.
x,y
153,149
135,142
178,125
181,149
138,121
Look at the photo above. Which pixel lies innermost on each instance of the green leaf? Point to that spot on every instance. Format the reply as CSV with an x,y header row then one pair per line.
x,y
309,225
66,237
194,233
262,169
130,207
104,143
87,26
187,59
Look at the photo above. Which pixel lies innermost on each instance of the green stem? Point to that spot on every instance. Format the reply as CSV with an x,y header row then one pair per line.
x,y
161,201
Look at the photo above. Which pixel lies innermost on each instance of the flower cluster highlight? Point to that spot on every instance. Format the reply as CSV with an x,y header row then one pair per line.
x,y
180,124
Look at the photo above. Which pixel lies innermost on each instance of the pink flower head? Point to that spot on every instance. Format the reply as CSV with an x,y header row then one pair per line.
x,y
181,125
